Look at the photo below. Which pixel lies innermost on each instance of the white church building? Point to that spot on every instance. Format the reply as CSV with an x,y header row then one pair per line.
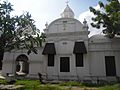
x,y
67,54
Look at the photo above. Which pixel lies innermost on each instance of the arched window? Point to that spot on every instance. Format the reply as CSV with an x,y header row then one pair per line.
x,y
22,65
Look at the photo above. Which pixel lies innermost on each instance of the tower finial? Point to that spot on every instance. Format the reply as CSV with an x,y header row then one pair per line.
x,y
67,2
68,12
85,24
46,25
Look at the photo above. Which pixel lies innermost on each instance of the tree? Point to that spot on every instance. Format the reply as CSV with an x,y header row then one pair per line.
x,y
108,17
18,32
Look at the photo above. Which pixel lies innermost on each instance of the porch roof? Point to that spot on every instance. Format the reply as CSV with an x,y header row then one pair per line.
x,y
79,47
49,49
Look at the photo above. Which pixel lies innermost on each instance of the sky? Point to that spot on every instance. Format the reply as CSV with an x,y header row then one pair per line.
x,y
43,11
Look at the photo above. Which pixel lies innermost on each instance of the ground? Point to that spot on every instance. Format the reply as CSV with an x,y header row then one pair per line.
x,y
36,85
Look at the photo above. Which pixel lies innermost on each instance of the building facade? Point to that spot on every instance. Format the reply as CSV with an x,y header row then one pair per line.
x,y
68,54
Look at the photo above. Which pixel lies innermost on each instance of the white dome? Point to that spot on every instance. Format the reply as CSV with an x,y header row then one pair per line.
x,y
99,38
67,13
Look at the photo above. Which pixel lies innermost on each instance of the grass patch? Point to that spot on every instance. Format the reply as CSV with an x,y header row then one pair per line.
x,y
36,85
93,85
29,84
71,83
50,87
110,87
3,81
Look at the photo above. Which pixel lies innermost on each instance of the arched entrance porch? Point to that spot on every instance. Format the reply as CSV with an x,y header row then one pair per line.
x,y
22,65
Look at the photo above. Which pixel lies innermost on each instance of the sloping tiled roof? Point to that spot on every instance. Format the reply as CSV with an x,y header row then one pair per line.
x,y
49,49
79,48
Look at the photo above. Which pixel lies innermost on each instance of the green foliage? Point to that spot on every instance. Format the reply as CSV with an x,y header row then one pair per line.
x,y
35,85
112,87
93,84
70,84
18,32
108,17
29,84
50,87
3,81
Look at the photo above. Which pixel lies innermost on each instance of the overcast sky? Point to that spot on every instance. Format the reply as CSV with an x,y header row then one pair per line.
x,y
43,11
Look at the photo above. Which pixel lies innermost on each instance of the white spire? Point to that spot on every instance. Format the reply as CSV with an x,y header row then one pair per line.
x,y
67,13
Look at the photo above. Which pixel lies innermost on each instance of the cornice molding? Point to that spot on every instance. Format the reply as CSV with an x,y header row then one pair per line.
x,y
77,33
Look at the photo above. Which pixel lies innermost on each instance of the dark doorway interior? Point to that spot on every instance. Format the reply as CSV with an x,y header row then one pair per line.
x,y
79,60
110,66
51,60
64,64
1,58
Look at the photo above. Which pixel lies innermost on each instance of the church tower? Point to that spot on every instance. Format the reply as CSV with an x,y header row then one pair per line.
x,y
67,13
66,48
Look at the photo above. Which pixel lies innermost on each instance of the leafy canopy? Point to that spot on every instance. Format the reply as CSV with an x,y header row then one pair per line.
x,y
108,17
18,32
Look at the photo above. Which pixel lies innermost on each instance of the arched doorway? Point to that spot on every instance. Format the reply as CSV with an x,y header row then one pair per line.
x,y
22,65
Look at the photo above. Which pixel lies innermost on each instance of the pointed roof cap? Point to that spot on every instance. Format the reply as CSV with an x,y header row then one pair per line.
x,y
67,13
